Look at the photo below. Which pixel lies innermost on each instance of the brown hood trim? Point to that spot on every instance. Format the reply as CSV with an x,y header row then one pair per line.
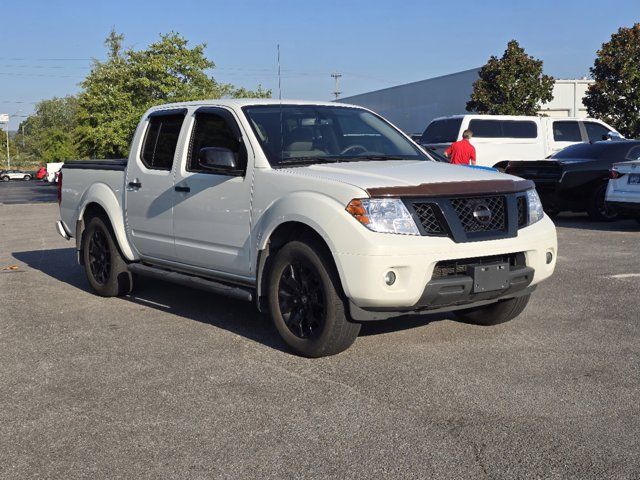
x,y
446,189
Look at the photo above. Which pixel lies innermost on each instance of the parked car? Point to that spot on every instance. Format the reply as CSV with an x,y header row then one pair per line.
x,y
576,178
323,214
498,138
623,189
6,175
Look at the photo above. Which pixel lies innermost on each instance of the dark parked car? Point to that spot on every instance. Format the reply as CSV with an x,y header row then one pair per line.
x,y
575,179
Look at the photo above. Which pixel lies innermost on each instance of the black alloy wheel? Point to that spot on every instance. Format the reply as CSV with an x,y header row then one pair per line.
x,y
598,209
99,257
302,299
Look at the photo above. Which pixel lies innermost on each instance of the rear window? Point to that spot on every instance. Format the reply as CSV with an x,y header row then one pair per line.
x,y
442,131
566,131
160,141
503,128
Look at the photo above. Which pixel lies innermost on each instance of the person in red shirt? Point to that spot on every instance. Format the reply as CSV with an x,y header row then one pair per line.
x,y
462,152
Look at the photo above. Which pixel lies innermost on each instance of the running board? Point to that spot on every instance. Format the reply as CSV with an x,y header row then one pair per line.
x,y
192,281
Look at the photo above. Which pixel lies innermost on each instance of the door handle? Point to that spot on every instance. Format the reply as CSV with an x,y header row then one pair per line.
x,y
135,184
179,188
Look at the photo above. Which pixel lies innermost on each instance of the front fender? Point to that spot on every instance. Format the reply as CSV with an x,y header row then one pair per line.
x,y
325,215
103,195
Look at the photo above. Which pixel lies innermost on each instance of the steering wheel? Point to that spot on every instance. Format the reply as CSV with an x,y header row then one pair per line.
x,y
358,148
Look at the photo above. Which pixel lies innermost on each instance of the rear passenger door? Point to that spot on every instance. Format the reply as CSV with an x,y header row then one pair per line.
x,y
212,208
149,186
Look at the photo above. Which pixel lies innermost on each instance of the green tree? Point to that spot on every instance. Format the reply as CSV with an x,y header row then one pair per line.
x,y
511,85
48,133
615,95
118,90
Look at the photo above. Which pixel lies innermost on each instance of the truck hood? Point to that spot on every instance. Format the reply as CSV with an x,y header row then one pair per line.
x,y
395,173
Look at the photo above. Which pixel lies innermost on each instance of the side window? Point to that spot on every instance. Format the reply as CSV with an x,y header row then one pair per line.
x,y
486,128
211,130
595,131
503,128
519,129
160,141
633,153
566,131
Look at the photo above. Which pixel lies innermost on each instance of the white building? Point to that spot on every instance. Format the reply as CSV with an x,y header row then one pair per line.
x,y
413,105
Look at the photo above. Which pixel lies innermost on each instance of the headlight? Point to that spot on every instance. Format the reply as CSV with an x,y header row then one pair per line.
x,y
383,215
534,207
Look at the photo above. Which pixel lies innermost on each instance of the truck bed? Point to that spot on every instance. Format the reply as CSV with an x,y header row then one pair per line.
x,y
80,175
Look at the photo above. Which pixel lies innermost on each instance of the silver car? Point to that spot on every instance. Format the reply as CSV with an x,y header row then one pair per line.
x,y
6,175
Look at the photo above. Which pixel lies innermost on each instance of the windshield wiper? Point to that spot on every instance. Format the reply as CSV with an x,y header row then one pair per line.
x,y
356,158
306,160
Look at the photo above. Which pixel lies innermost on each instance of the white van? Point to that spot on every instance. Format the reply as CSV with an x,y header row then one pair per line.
x,y
508,137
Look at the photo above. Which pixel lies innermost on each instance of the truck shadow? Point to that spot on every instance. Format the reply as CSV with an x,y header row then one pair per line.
x,y
236,316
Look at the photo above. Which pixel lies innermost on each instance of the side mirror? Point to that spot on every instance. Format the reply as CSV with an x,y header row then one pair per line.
x,y
218,159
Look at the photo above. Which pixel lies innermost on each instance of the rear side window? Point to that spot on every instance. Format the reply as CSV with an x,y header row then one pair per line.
x,y
566,131
442,131
160,142
595,131
503,128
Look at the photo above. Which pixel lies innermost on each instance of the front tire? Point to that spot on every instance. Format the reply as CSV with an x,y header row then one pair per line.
x,y
597,208
496,313
4,179
104,266
306,302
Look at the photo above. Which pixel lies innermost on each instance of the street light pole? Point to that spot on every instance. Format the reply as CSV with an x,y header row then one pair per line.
x,y
8,159
4,118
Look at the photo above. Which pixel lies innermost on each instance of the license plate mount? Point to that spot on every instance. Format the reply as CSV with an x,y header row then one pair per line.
x,y
491,277
634,179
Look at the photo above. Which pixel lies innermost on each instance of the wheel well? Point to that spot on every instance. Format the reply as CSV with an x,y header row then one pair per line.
x,y
96,210
93,210
282,235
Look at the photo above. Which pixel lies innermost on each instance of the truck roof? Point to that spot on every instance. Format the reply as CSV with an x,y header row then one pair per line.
x,y
242,102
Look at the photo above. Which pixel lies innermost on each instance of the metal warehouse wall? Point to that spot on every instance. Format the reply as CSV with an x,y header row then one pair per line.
x,y
413,105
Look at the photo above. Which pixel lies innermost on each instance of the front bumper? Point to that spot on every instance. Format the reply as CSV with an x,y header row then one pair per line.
x,y
363,275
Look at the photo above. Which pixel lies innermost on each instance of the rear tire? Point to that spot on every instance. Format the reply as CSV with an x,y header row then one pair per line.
x,y
306,302
104,266
597,208
496,313
26,178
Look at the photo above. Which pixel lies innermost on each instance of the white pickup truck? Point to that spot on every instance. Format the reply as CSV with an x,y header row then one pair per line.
x,y
324,215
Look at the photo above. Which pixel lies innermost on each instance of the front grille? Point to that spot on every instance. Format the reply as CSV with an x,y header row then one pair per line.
x,y
469,212
522,211
448,268
428,218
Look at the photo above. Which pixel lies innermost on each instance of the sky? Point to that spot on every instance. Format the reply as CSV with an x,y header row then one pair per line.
x,y
47,47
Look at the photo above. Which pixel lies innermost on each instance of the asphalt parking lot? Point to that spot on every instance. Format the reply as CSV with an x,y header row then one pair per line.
x,y
175,383
33,191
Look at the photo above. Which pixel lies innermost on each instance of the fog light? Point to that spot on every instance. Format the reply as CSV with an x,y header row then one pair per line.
x,y
390,278
549,257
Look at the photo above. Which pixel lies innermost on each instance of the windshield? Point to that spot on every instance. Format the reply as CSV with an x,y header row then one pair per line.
x,y
308,134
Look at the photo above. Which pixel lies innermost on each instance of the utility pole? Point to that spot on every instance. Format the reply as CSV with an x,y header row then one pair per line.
x,y
336,76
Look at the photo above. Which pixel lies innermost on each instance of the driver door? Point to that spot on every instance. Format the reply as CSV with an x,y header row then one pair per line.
x,y
211,220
